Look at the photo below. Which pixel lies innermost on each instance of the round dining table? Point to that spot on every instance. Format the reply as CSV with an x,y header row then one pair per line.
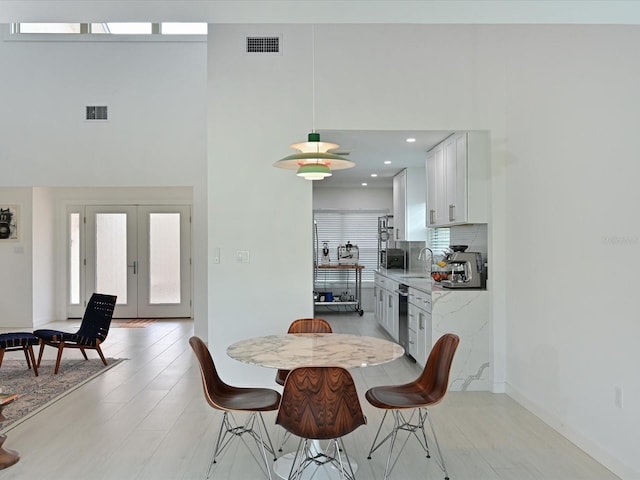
x,y
294,350
315,350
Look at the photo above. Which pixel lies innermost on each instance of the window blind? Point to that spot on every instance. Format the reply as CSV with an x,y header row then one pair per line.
x,y
438,239
339,227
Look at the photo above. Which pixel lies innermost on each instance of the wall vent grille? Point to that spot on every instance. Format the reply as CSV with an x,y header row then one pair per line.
x,y
96,113
263,44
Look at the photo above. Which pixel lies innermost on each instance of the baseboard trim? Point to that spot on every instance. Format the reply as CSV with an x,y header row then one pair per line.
x,y
587,445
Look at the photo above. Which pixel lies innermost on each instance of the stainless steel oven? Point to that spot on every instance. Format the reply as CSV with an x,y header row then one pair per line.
x,y
403,317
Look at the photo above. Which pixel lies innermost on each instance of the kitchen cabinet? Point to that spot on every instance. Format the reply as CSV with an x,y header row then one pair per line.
x,y
434,311
409,190
458,180
419,325
386,308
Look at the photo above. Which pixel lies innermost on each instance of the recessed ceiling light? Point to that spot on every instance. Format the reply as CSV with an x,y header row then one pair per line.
x,y
387,162
411,140
374,174
364,184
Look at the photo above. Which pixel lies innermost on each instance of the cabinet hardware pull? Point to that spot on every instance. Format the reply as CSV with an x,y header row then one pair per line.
x,y
451,213
421,321
432,214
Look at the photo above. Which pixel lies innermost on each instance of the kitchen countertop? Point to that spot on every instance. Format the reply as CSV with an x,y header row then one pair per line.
x,y
417,280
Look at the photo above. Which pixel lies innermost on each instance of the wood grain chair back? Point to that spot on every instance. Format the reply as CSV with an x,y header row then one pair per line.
x,y
230,399
304,325
434,379
310,325
320,403
427,390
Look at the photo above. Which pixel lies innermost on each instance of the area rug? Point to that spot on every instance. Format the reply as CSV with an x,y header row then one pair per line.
x,y
132,322
37,393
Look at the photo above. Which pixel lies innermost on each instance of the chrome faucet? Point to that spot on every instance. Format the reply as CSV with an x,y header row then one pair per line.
x,y
422,255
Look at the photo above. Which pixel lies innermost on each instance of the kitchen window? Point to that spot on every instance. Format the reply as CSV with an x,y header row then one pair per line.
x,y
438,239
336,228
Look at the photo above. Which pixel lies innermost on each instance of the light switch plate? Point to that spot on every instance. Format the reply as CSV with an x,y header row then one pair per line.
x,y
242,256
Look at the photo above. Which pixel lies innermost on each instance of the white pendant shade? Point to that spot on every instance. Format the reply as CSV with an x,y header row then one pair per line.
x,y
314,153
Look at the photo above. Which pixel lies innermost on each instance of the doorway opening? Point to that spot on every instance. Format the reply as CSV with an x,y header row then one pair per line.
x,y
141,253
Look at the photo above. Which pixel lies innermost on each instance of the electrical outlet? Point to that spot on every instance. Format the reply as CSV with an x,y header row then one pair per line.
x,y
618,397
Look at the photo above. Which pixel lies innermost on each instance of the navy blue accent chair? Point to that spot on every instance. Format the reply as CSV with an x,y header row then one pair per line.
x,y
92,333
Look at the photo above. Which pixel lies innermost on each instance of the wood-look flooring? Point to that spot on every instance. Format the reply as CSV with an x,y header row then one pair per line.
x,y
146,419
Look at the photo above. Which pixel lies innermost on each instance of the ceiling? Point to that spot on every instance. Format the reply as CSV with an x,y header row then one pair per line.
x,y
369,149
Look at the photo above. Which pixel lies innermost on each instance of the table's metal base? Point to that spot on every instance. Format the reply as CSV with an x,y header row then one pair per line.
x,y
282,467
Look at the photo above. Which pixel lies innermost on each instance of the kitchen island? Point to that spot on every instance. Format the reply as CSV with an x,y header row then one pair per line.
x,y
434,311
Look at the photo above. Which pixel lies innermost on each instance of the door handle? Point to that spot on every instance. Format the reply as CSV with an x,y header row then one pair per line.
x,y
135,267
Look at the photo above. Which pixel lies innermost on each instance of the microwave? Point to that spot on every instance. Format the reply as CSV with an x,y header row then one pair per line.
x,y
392,258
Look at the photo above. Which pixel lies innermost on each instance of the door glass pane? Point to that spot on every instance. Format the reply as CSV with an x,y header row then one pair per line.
x,y
164,258
111,255
74,258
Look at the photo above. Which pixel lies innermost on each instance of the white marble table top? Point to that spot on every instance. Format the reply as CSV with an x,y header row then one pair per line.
x,y
314,349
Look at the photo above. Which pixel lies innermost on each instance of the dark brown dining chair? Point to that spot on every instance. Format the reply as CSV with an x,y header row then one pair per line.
x,y
304,325
91,334
427,390
301,325
230,399
320,403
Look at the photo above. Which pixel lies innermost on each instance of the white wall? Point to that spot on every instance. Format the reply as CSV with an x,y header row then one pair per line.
x,y
17,262
252,205
561,104
559,107
155,136
364,198
44,255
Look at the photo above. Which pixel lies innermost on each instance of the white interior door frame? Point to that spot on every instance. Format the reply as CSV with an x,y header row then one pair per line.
x,y
148,251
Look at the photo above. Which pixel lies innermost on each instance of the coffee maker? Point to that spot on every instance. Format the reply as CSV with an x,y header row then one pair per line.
x,y
464,270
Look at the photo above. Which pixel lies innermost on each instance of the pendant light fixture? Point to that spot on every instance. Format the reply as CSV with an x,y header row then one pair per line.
x,y
313,160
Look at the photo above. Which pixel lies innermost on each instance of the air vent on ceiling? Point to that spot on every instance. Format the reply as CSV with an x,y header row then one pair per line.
x,y
263,44
96,113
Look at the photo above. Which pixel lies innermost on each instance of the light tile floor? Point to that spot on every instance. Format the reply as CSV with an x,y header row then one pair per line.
x,y
146,419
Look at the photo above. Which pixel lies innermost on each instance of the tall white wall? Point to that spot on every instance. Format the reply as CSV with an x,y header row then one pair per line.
x,y
560,109
44,256
258,105
155,137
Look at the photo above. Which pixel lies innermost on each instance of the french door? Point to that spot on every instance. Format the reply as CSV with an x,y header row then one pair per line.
x,y
140,253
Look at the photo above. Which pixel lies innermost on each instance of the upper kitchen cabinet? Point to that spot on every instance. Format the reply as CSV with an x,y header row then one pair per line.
x,y
458,180
409,193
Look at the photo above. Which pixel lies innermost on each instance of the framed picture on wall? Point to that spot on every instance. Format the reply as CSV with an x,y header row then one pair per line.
x,y
9,220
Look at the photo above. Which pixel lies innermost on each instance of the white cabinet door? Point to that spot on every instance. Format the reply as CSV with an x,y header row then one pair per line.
x,y
409,187
423,346
400,205
455,173
413,314
436,192
447,180
420,318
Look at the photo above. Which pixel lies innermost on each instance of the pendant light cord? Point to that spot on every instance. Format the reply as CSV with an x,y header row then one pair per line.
x,y
313,78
